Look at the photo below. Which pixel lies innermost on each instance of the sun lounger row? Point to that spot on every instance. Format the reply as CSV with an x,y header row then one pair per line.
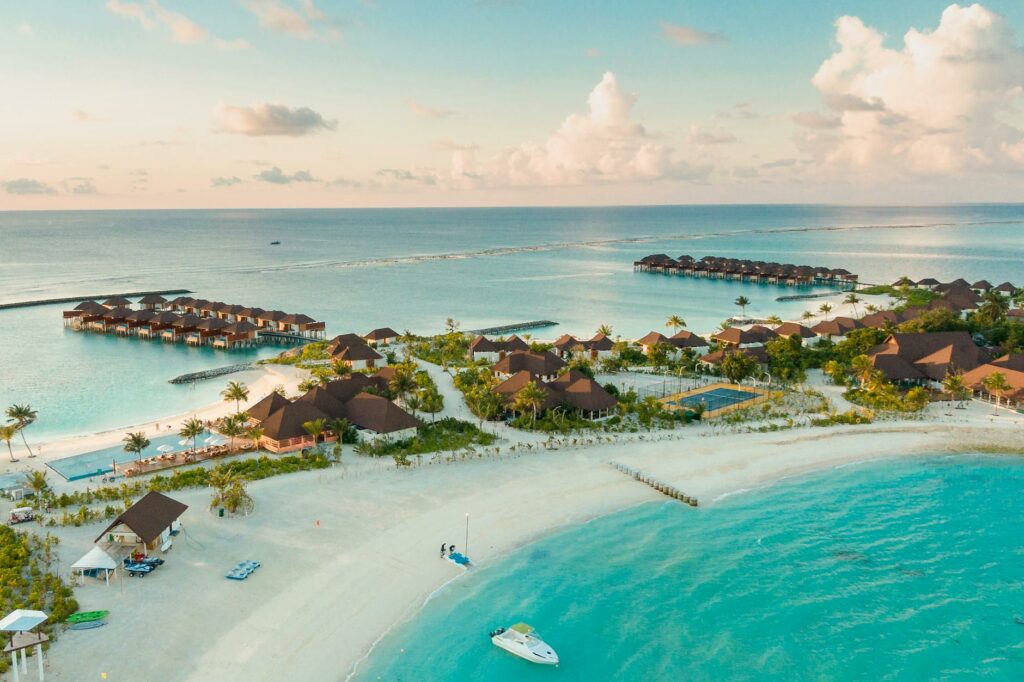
x,y
242,570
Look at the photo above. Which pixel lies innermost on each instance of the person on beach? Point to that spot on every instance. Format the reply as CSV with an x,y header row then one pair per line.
x,y
444,547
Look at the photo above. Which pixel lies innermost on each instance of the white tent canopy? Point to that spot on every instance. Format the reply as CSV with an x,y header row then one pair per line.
x,y
22,620
95,558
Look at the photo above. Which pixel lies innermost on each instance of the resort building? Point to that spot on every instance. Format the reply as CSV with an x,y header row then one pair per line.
x,y
146,525
353,352
788,329
571,390
1011,366
756,353
675,343
195,321
541,366
926,357
374,417
734,337
383,335
759,272
599,347
492,350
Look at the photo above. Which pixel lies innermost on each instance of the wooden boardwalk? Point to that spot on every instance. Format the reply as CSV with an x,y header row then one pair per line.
x,y
98,297
519,326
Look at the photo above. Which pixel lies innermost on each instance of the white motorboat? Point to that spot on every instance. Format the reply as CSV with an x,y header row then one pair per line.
x,y
523,641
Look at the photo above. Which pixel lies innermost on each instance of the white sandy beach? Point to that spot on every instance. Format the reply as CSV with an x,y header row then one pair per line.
x,y
351,551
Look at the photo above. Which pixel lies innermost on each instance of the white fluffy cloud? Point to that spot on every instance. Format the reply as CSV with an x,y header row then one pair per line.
x,y
688,36
180,28
943,103
276,176
423,111
294,19
271,119
602,145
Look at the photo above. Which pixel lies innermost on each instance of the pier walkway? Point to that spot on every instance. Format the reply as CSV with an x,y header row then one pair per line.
x,y
79,299
520,326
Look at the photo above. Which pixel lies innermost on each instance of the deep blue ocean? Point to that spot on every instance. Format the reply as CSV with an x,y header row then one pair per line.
x,y
891,570
411,269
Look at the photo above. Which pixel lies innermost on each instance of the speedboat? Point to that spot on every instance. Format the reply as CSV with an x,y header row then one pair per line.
x,y
523,641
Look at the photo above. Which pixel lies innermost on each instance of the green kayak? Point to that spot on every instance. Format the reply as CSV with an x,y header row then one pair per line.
x,y
87,616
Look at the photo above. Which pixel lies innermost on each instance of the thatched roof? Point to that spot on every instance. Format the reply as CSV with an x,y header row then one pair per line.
x,y
149,517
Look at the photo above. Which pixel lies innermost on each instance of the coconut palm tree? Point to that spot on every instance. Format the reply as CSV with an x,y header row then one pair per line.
x,y
403,381
236,391
862,368
340,427
7,433
825,308
806,315
530,399
136,442
953,384
233,426
315,428
853,299
255,434
774,320
36,482
22,416
192,429
871,308
413,403
229,491
604,330
676,322
996,384
742,302
432,402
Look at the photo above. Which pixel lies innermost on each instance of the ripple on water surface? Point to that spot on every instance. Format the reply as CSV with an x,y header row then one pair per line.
x,y
897,570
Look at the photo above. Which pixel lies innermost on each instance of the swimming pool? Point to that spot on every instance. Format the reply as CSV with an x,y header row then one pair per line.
x,y
715,398
98,462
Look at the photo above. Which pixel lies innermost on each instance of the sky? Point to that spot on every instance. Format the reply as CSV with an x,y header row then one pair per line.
x,y
125,104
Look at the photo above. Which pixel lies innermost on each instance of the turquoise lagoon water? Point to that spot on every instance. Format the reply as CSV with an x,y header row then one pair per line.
x,y
359,269
892,570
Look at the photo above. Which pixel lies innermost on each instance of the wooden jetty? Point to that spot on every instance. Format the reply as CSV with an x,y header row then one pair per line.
x,y
508,328
665,489
284,337
79,299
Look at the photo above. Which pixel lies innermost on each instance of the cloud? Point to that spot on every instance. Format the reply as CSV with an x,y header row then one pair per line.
x,y
232,45
297,20
423,111
271,119
815,120
704,137
780,163
79,186
225,181
943,103
26,186
25,29
593,52
689,36
180,28
276,176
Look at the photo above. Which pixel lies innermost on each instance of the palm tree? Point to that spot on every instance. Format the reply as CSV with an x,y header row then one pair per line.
x,y
530,399
315,428
996,384
853,299
871,308
774,320
36,482
22,416
340,427
7,433
192,429
806,315
233,426
742,302
229,491
402,382
136,442
825,308
236,391
676,322
862,368
954,385
255,434
432,402
604,330
414,402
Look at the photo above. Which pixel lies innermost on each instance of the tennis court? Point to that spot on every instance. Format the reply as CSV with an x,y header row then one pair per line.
x,y
714,398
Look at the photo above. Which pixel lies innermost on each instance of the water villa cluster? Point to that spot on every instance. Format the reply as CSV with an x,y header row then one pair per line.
x,y
197,322
755,271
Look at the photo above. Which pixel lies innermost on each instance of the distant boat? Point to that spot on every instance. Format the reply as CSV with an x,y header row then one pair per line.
x,y
523,641
275,243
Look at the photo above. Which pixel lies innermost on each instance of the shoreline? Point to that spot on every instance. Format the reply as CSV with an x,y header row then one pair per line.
x,y
350,553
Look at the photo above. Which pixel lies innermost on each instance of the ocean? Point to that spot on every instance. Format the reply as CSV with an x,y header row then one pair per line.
x,y
413,268
902,569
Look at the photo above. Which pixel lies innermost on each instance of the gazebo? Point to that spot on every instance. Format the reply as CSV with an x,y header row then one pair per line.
x,y
95,560
21,622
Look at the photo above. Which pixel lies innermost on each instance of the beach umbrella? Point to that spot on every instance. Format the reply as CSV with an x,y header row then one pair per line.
x,y
184,442
215,440
165,448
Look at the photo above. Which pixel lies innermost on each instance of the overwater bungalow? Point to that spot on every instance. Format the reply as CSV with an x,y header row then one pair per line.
x,y
302,325
760,272
156,324
152,302
180,328
108,320
236,335
130,324
204,332
117,302
81,314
